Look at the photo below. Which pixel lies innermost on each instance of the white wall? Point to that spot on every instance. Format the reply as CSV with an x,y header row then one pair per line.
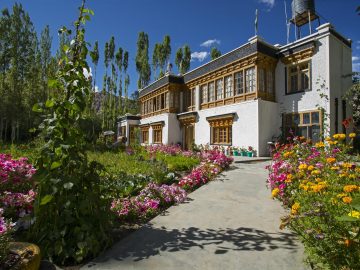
x,y
171,133
269,125
340,81
245,127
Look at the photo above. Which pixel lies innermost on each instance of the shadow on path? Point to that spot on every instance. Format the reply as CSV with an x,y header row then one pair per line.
x,y
150,241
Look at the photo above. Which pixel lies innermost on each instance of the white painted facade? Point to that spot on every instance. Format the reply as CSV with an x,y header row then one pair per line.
x,y
257,122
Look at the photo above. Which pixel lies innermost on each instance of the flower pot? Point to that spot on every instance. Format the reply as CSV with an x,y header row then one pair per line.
x,y
243,154
249,154
236,153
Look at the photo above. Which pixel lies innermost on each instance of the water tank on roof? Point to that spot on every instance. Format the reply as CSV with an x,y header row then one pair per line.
x,y
303,11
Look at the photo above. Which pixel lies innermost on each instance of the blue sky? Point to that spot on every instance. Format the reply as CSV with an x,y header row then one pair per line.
x,y
226,24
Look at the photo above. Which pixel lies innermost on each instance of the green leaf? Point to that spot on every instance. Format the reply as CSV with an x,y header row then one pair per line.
x,y
46,199
68,185
55,164
49,103
52,83
37,107
347,218
90,11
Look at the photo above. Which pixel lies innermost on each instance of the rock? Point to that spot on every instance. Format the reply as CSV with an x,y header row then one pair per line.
x,y
28,256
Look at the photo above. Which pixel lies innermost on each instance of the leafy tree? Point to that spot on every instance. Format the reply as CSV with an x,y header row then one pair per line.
x,y
166,50
142,60
215,53
94,54
179,59
71,218
183,59
119,63
155,59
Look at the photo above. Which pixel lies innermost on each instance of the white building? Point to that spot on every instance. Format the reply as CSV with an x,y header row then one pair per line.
x,y
251,95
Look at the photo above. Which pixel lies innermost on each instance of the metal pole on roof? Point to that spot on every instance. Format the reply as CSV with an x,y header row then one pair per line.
x,y
309,21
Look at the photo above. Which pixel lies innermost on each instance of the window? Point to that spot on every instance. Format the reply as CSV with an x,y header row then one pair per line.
x,y
219,89
298,78
221,135
239,83
145,135
204,94
228,86
250,80
221,130
270,81
305,124
157,133
211,92
262,80
193,97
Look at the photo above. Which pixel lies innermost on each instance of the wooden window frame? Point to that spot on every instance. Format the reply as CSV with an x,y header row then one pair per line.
x,y
221,131
299,78
204,87
228,86
301,123
157,134
219,89
250,80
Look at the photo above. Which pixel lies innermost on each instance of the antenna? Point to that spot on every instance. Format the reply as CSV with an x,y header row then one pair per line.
x,y
287,24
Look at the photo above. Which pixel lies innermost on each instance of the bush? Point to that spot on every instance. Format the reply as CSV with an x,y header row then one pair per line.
x,y
320,185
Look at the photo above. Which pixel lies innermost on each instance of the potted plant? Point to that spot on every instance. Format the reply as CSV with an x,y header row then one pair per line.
x,y
243,151
235,151
250,151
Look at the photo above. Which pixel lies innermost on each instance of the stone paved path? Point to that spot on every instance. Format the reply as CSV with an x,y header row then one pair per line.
x,y
231,223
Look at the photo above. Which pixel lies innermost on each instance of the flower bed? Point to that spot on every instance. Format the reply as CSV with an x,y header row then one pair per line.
x,y
16,196
320,185
154,197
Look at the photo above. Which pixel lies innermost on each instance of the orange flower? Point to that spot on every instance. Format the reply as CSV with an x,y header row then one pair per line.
x,y
347,242
347,200
351,188
331,160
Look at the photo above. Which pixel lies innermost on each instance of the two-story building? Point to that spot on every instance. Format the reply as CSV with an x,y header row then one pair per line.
x,y
252,94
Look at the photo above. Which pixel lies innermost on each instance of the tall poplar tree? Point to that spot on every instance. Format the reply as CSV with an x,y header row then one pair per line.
x,y
142,60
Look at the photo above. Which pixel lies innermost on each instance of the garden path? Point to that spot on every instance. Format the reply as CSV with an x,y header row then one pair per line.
x,y
230,223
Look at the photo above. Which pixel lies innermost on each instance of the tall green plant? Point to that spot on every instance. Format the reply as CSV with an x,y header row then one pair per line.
x,y
70,216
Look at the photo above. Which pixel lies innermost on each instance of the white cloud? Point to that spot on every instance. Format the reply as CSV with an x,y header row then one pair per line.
x,y
96,89
210,43
356,67
355,58
199,56
270,3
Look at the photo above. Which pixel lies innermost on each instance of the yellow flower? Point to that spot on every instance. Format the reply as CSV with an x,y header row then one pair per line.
x,y
288,154
347,200
315,172
289,178
331,160
336,136
347,165
352,176
319,145
310,168
352,135
328,139
302,166
343,175
342,137
350,188
275,192
295,208
355,214
335,168
341,195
